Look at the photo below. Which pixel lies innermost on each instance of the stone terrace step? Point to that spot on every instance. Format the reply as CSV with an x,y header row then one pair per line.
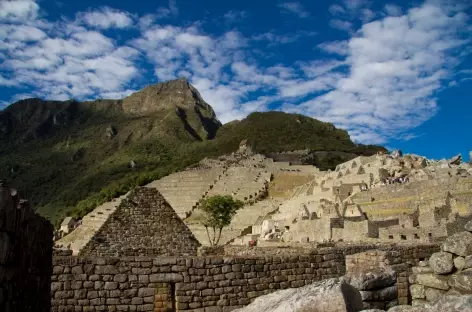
x,y
91,223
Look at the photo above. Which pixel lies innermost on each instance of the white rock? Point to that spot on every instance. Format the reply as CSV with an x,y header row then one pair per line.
x,y
332,295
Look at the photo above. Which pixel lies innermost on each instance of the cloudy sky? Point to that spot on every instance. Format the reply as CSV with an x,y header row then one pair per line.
x,y
392,73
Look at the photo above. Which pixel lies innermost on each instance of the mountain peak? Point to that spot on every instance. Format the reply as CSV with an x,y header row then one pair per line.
x,y
178,93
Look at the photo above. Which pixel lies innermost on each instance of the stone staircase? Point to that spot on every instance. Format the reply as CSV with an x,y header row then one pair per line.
x,y
91,223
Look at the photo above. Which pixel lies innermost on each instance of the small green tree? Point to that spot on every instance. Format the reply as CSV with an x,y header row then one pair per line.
x,y
218,212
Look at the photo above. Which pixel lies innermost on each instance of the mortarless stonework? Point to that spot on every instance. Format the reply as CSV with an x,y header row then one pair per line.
x,y
144,224
202,284
25,256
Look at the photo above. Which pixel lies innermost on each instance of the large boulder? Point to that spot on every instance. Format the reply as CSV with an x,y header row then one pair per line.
x,y
374,279
441,262
430,280
331,295
459,244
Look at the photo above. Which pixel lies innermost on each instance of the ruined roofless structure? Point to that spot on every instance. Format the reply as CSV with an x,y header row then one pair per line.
x,y
144,224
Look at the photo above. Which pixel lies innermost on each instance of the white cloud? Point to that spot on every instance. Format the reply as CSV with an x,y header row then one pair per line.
x,y
341,25
354,4
18,10
275,39
171,10
336,9
107,17
334,47
396,66
393,10
235,16
294,8
63,60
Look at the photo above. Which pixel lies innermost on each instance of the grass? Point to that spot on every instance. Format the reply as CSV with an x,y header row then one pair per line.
x,y
285,182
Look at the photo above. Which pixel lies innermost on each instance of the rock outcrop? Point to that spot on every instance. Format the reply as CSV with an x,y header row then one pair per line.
x,y
332,295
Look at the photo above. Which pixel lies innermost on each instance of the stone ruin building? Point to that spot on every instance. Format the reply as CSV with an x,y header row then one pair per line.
x,y
371,199
25,255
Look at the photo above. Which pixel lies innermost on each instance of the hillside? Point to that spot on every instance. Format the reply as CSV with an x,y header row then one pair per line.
x,y
71,156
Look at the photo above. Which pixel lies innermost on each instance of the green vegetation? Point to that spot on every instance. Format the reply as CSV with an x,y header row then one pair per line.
x,y
69,157
218,212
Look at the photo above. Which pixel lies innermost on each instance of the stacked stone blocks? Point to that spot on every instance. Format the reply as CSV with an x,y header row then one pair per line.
x,y
448,272
143,225
199,284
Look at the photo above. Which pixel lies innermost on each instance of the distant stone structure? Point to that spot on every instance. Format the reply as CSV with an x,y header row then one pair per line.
x,y
67,225
375,198
25,256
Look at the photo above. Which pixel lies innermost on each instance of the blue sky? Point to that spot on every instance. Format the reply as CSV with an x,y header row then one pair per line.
x,y
392,73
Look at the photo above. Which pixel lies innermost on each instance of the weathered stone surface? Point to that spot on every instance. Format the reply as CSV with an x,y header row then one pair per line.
x,y
373,279
462,281
459,263
441,262
468,226
451,304
433,294
468,262
406,308
433,281
417,291
420,270
332,295
385,294
459,244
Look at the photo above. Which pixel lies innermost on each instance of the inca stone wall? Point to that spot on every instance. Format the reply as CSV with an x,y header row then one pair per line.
x,y
25,256
143,225
447,272
199,284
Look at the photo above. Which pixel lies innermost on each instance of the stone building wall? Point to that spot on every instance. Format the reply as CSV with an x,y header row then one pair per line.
x,y
143,225
199,284
25,256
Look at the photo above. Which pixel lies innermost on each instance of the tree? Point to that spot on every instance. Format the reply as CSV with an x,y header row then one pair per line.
x,y
218,212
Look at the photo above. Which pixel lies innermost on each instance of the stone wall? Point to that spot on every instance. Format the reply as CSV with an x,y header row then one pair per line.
x,y
376,279
143,225
25,256
447,272
203,284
